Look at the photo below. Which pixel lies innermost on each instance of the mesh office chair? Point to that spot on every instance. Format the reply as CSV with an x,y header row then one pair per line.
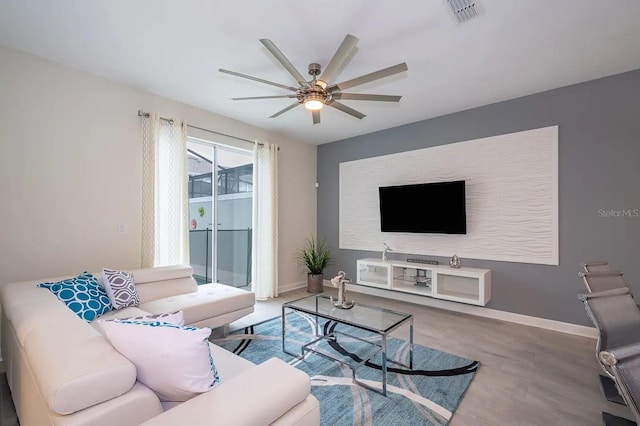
x,y
597,276
596,266
624,363
617,319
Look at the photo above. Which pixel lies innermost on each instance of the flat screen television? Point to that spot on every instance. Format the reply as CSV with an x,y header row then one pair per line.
x,y
434,208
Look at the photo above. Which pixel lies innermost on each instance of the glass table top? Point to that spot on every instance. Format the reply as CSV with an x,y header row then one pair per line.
x,y
363,316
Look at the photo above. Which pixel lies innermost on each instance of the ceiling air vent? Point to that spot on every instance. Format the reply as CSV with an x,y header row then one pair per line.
x,y
464,10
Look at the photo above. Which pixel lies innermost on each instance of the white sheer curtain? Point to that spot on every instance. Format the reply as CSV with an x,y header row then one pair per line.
x,y
165,197
264,270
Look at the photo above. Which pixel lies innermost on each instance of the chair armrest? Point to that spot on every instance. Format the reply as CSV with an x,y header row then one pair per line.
x,y
258,396
621,291
613,356
597,274
624,362
595,263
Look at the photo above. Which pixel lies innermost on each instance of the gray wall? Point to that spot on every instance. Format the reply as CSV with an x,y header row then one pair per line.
x,y
599,152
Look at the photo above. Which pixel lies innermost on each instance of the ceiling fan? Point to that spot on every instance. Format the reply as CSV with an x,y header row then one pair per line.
x,y
319,91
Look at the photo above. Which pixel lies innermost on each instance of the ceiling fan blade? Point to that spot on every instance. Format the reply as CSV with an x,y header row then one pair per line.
x,y
282,111
263,97
365,97
386,72
316,116
341,55
344,108
284,61
259,80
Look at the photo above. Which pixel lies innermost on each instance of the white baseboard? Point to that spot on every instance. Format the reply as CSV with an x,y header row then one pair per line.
x,y
563,327
292,286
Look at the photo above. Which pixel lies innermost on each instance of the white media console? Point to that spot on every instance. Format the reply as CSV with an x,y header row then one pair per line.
x,y
466,285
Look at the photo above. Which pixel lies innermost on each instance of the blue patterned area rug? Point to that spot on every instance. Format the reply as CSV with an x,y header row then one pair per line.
x,y
427,395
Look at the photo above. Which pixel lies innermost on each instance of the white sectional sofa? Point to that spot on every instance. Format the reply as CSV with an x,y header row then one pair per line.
x,y
62,371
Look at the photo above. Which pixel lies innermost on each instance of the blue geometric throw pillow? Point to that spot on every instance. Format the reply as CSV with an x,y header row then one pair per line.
x,y
84,295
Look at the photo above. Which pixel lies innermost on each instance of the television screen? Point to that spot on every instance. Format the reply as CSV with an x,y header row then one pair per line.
x,y
435,208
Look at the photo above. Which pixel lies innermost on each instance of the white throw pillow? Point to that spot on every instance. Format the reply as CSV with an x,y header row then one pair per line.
x,y
120,288
175,318
173,361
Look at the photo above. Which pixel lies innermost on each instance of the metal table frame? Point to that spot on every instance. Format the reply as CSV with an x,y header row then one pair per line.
x,y
382,333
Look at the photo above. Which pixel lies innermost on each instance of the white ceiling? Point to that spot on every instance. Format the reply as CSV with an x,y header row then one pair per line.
x,y
174,49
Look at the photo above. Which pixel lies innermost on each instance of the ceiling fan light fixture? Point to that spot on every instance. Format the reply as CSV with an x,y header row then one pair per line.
x,y
313,105
314,101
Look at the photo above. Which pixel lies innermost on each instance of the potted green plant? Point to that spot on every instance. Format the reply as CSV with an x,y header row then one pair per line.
x,y
315,256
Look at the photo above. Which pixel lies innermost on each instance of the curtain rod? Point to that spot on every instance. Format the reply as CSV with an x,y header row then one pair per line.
x,y
170,120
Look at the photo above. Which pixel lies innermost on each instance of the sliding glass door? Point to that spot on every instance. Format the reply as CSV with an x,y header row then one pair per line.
x,y
220,213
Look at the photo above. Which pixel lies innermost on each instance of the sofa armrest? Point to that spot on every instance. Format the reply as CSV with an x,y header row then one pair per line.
x,y
258,396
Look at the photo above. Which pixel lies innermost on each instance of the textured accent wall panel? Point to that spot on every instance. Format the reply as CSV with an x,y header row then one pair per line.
x,y
511,191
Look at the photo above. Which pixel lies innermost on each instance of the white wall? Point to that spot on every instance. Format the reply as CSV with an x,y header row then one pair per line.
x,y
70,171
511,198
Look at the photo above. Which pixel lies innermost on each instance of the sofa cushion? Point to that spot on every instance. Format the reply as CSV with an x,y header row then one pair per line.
x,y
163,281
174,361
75,367
120,288
130,312
138,405
84,295
259,396
211,300
176,318
229,364
21,302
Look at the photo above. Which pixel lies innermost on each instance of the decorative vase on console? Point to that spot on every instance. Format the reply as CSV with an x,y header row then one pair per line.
x,y
385,251
454,262
340,281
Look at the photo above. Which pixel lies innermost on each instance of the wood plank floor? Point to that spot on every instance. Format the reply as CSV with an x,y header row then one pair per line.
x,y
528,376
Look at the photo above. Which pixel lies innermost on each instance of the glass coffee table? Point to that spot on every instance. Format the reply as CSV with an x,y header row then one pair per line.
x,y
373,319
